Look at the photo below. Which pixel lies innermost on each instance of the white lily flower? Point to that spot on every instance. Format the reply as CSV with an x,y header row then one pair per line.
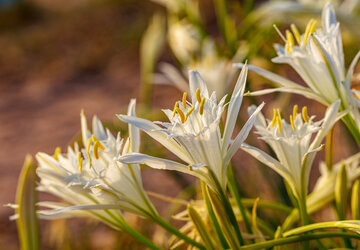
x,y
317,56
292,143
193,132
91,179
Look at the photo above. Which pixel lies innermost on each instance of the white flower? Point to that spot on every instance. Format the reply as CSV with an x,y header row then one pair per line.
x,y
292,144
193,132
217,72
317,56
91,179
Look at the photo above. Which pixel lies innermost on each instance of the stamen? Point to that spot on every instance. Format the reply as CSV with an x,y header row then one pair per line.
x,y
296,33
290,39
181,114
278,121
57,153
295,110
310,27
305,114
96,149
273,121
189,112
198,96
175,106
88,150
278,31
292,122
184,100
201,108
80,161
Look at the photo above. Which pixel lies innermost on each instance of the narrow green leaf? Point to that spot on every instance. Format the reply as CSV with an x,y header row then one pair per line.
x,y
200,227
355,201
341,193
27,222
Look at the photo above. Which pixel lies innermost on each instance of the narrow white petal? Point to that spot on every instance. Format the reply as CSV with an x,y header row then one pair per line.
x,y
268,160
196,82
308,93
240,138
328,17
172,76
159,163
84,130
233,109
351,68
155,132
134,132
270,76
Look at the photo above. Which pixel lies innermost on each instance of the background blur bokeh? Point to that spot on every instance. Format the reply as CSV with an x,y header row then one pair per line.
x,y
58,57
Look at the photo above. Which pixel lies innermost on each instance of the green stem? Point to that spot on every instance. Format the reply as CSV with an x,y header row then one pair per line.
x,y
299,238
267,204
234,190
167,226
141,238
351,125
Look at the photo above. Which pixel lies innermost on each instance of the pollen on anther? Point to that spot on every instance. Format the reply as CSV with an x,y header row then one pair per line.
x,y
305,114
296,33
292,122
181,115
96,149
175,106
201,108
189,112
57,153
184,100
290,39
295,110
273,121
278,121
80,161
198,96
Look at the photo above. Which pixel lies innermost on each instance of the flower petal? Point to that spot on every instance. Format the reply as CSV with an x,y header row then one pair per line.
x,y
134,133
240,138
233,109
351,68
196,82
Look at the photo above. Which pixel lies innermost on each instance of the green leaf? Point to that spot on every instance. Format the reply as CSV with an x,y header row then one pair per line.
x,y
200,227
355,201
26,196
341,193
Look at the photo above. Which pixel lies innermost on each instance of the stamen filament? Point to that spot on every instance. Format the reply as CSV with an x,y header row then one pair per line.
x,y
201,108
181,114
198,96
305,114
184,100
310,27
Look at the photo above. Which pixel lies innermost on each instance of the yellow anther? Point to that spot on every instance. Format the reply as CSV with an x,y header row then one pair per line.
x,y
296,33
273,121
175,106
198,96
278,121
201,108
287,48
57,153
88,150
181,114
189,112
313,25
80,161
290,39
96,149
184,100
310,27
295,110
292,122
305,114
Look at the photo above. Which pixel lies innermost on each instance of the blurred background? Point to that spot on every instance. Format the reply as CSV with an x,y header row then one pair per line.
x,y
58,57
